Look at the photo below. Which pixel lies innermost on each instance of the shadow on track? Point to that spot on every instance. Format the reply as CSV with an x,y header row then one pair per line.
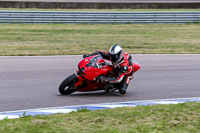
x,y
94,93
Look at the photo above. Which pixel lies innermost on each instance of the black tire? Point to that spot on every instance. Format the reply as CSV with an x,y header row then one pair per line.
x,y
65,87
123,92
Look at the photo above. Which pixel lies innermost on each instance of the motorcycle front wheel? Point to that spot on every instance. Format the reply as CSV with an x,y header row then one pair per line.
x,y
65,87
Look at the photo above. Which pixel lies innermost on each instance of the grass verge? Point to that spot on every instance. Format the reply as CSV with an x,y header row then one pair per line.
x,y
60,39
180,118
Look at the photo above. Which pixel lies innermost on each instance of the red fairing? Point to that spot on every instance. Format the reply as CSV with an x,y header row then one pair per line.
x,y
91,72
136,65
90,68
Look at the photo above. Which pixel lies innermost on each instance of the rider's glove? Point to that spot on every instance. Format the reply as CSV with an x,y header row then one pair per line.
x,y
85,55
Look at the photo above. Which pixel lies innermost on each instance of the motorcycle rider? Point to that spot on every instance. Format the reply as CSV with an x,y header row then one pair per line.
x,y
123,67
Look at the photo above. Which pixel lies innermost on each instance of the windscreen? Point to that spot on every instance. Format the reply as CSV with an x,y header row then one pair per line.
x,y
93,61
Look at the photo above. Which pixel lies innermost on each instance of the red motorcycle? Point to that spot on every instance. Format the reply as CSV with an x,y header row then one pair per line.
x,y
86,78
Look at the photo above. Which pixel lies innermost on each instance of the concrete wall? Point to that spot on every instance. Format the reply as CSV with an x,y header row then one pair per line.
x,y
61,5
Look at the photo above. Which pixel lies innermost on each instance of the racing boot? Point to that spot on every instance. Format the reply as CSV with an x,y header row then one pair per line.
x,y
123,86
122,91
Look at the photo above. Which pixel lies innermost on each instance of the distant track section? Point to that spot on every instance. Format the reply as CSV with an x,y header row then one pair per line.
x,y
112,1
74,17
101,4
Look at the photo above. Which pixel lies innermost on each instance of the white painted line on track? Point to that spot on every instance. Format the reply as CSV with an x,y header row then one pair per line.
x,y
55,110
8,117
68,109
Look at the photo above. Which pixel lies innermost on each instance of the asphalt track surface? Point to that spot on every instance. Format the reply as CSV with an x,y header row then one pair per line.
x,y
32,82
112,1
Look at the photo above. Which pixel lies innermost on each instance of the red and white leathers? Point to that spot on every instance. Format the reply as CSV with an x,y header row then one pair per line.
x,y
123,69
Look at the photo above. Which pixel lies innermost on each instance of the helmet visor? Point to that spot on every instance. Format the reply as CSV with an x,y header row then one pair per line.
x,y
115,57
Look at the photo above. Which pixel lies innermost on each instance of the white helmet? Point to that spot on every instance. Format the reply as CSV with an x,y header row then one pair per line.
x,y
116,53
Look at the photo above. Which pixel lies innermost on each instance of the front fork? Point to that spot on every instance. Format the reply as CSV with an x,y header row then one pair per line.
x,y
80,80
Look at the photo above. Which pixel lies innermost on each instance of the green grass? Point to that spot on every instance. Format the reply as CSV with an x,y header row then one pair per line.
x,y
181,118
61,39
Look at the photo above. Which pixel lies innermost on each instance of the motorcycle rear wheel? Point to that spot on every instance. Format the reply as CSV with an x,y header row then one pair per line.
x,y
65,87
